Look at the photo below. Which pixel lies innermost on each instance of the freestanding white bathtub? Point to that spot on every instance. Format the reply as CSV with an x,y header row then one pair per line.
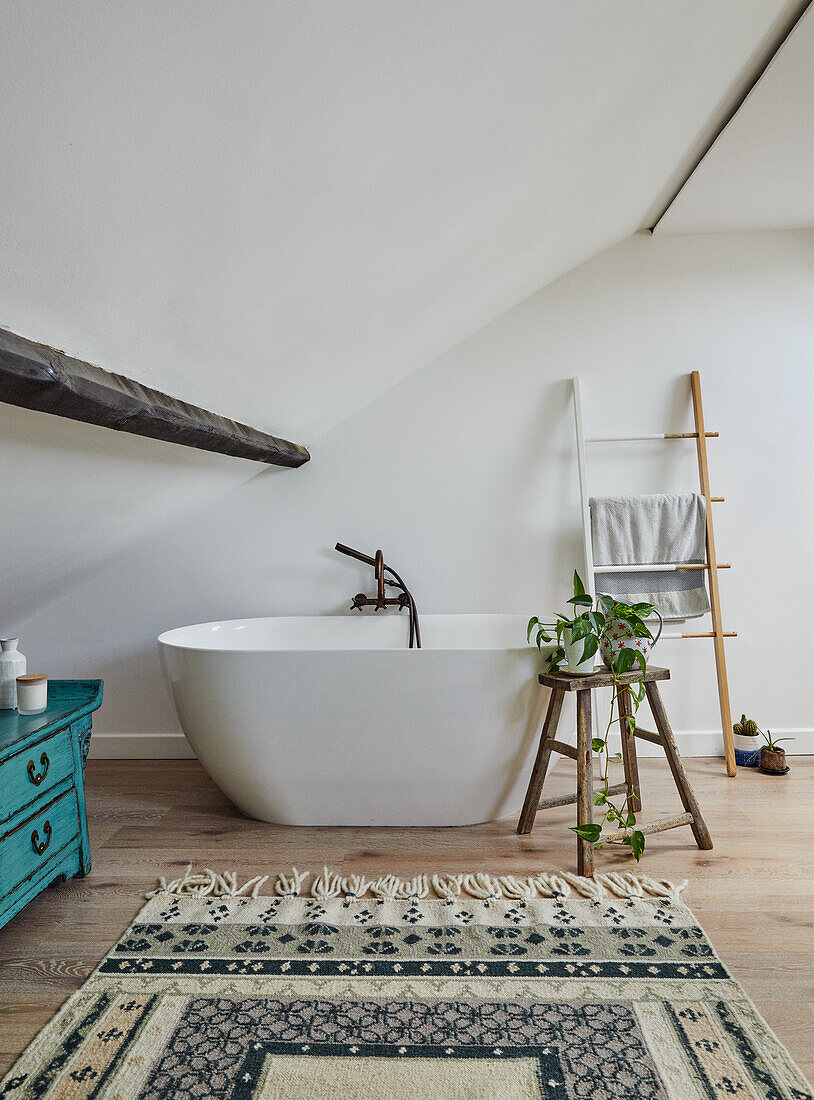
x,y
333,721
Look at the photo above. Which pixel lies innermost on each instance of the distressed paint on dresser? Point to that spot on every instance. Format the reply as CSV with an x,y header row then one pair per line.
x,y
43,824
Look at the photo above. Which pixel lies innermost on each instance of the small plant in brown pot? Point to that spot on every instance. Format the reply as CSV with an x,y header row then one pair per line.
x,y
773,759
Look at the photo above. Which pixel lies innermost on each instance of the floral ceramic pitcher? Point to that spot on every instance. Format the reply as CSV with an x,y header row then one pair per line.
x,y
618,635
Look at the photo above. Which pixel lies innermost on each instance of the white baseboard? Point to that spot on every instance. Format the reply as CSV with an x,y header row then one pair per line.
x,y
174,746
139,746
709,743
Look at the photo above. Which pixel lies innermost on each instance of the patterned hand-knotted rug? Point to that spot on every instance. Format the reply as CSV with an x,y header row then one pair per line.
x,y
460,988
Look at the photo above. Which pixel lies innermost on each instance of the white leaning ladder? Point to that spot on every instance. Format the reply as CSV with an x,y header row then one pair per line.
x,y
711,565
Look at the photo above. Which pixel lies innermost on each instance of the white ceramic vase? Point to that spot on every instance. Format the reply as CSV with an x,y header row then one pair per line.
x,y
573,655
12,665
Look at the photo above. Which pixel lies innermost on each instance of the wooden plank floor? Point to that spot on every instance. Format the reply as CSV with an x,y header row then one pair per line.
x,y
754,894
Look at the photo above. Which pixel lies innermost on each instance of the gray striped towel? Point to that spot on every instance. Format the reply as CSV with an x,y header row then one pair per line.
x,y
649,529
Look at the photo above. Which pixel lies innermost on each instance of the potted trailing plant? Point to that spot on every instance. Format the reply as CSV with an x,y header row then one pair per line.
x,y
579,636
745,736
773,759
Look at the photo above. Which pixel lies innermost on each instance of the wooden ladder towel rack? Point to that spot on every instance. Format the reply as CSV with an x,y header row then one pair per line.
x,y
711,565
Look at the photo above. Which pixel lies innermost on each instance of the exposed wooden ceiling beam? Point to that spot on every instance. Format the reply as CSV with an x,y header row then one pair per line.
x,y
35,376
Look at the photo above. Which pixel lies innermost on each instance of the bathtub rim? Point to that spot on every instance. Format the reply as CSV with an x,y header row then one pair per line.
x,y
165,639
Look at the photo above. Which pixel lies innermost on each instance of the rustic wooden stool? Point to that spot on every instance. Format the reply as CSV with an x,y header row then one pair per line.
x,y
560,682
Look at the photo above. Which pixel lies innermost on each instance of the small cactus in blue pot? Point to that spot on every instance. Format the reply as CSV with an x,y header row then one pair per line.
x,y
745,735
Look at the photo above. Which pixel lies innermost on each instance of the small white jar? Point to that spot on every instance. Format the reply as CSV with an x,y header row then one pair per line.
x,y
32,693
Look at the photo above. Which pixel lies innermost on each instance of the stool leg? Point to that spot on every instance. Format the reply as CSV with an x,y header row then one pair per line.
x,y
585,781
688,799
629,760
549,732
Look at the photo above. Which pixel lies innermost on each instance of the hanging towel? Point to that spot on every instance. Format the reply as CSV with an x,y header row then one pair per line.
x,y
657,528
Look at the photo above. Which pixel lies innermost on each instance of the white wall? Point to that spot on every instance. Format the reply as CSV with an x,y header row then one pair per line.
x,y
74,495
465,475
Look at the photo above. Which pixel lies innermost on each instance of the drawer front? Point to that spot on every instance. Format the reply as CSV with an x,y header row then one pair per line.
x,y
30,774
30,845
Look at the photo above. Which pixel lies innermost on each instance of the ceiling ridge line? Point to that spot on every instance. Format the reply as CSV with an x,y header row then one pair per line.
x,y
736,106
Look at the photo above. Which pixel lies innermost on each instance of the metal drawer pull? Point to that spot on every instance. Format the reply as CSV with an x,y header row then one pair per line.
x,y
38,845
37,778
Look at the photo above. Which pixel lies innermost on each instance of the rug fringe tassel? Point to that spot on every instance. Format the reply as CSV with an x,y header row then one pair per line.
x,y
209,884
481,885
355,886
290,886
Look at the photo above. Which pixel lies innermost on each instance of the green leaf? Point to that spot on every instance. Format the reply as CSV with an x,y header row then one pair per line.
x,y
637,844
587,832
624,660
532,623
580,628
598,745
579,587
771,742
630,722
582,601
555,657
630,820
590,647
599,798
617,756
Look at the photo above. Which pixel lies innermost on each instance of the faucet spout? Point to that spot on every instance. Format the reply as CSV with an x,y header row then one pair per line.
x,y
354,554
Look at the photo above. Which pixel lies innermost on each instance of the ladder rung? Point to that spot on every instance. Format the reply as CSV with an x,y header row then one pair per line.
x,y
643,438
719,565
569,799
658,567
654,827
704,634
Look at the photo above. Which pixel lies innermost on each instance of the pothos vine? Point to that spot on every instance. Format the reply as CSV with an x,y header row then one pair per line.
x,y
591,624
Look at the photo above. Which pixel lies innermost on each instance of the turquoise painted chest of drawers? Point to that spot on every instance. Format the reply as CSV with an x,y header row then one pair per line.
x,y
43,824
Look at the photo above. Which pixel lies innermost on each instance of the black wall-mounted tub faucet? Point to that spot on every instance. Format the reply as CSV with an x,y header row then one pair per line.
x,y
385,576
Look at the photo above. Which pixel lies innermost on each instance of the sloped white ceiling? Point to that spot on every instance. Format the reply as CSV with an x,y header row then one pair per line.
x,y
278,210
759,174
